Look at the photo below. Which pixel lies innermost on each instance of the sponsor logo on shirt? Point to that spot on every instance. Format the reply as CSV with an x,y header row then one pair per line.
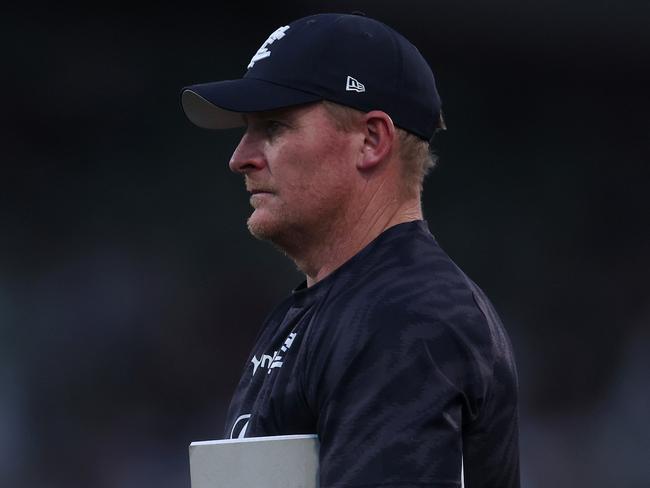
x,y
269,362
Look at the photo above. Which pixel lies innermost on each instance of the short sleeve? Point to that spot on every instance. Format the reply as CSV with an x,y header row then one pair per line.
x,y
390,403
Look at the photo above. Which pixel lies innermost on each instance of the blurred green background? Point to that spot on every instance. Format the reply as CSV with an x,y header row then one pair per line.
x,y
131,292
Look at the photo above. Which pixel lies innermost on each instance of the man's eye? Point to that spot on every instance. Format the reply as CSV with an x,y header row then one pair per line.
x,y
273,127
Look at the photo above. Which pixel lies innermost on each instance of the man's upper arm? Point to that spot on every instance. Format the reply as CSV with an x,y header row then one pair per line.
x,y
390,402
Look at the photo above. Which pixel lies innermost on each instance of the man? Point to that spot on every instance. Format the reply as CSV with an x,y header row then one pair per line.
x,y
387,351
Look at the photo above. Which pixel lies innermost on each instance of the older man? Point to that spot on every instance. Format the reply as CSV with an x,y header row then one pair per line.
x,y
387,351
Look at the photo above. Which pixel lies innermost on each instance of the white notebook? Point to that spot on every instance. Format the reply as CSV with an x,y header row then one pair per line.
x,y
287,461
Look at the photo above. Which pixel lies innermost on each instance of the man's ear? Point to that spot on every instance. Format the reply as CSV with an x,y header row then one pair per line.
x,y
379,139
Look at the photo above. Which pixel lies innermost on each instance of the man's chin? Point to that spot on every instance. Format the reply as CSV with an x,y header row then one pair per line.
x,y
262,228
276,231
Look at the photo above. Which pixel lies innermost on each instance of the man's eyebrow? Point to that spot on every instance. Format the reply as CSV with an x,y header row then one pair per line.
x,y
252,116
277,113
282,115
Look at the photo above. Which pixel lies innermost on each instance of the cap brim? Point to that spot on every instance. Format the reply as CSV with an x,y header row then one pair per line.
x,y
220,105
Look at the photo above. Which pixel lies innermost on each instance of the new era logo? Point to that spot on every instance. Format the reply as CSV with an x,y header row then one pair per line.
x,y
354,85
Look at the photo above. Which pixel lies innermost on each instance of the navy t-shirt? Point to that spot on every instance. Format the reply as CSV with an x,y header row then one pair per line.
x,y
398,362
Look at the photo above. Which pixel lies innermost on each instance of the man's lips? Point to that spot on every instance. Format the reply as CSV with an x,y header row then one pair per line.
x,y
256,188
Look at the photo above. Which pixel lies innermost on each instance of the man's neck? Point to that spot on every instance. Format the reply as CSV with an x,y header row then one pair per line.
x,y
329,252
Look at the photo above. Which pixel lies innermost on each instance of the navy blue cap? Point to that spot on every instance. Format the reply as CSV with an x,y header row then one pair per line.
x,y
348,59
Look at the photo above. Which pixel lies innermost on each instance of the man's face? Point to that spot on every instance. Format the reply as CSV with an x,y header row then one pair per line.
x,y
300,170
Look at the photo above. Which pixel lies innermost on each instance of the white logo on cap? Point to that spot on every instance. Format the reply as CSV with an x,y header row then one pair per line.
x,y
263,52
354,85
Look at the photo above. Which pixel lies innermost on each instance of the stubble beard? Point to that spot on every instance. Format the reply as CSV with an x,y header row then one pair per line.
x,y
295,236
277,231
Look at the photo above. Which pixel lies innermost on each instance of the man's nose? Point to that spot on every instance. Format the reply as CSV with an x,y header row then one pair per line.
x,y
247,157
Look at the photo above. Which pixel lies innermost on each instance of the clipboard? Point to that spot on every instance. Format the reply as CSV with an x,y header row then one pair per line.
x,y
287,461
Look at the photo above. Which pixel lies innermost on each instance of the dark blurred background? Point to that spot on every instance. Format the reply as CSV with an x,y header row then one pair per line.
x,y
131,292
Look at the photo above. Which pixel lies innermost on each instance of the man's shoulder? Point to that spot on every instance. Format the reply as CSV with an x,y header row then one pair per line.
x,y
411,291
413,276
